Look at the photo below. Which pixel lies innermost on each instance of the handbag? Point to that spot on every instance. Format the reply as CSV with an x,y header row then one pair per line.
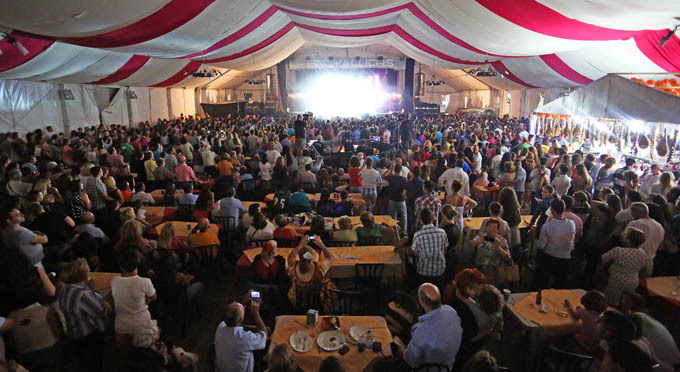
x,y
508,273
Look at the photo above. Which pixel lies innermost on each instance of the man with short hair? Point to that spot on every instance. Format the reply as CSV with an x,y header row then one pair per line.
x,y
435,338
429,246
453,174
142,195
649,177
96,189
396,193
171,160
429,200
161,173
234,346
87,226
555,243
183,172
201,236
230,206
306,176
654,234
371,182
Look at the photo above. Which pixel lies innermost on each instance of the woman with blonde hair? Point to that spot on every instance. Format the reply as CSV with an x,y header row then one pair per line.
x,y
665,184
581,180
168,240
112,189
131,236
346,232
370,229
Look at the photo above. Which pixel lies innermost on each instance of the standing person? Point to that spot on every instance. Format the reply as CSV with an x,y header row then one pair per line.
x,y
300,127
96,190
396,193
654,234
371,183
131,296
625,264
234,346
429,246
555,244
405,131
429,200
435,338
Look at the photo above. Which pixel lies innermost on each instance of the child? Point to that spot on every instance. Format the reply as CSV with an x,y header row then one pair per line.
x,y
594,304
483,177
491,303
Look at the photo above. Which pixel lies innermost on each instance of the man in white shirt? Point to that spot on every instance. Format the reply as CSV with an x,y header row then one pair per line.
x,y
562,182
476,160
234,346
648,179
306,176
451,174
370,183
142,195
405,172
654,234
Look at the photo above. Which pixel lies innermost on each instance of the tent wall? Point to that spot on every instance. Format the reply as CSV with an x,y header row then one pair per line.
x,y
82,111
182,101
117,111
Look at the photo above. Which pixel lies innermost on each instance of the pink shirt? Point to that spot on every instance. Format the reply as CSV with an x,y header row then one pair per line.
x,y
184,173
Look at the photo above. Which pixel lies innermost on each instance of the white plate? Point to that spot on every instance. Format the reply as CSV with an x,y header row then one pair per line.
x,y
301,342
361,334
330,340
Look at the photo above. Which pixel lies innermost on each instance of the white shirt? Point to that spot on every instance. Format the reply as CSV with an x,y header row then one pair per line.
x,y
370,178
561,184
557,238
405,172
272,155
646,183
266,171
145,197
653,235
130,293
234,348
477,158
495,167
208,158
451,174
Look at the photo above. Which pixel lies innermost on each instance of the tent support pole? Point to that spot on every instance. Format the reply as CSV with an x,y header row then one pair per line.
x,y
64,111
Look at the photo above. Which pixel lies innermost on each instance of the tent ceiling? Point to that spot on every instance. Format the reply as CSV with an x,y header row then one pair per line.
x,y
534,43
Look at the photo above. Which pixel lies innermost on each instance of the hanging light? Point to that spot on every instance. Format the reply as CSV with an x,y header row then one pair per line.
x,y
668,36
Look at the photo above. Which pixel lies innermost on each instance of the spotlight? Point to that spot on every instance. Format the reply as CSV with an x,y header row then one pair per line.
x,y
206,73
670,33
12,41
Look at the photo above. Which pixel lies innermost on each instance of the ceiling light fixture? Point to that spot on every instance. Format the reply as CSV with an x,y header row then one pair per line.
x,y
667,37
490,71
206,73
12,41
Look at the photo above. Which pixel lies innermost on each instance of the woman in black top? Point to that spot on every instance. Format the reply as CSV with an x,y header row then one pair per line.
x,y
448,224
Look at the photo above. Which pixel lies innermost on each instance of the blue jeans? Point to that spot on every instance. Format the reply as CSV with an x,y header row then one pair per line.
x,y
397,210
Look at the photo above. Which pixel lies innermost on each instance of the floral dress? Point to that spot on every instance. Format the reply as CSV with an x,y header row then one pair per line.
x,y
313,294
623,272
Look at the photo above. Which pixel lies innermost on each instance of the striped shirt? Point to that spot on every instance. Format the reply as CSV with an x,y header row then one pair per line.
x,y
83,310
431,243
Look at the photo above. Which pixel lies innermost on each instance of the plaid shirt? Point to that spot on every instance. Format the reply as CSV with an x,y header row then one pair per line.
x,y
430,202
431,243
83,311
94,187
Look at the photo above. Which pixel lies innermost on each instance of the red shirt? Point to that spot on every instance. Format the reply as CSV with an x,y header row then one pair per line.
x,y
285,233
266,273
354,178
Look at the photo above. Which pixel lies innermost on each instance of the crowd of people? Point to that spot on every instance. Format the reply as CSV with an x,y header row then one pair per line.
x,y
75,203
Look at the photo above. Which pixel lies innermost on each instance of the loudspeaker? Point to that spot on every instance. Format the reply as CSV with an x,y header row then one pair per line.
x,y
408,85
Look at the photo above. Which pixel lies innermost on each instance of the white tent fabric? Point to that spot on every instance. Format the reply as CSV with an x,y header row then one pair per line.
x,y
617,98
117,112
82,111
26,106
536,43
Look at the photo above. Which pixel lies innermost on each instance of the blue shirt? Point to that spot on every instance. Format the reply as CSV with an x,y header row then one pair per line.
x,y
230,206
435,339
234,348
299,199
376,160
439,137
557,238
188,199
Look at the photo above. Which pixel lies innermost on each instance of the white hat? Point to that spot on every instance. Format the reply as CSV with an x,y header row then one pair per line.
x,y
308,256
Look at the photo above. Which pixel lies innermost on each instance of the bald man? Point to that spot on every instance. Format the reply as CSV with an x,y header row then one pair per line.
x,y
202,236
435,339
183,172
87,226
234,346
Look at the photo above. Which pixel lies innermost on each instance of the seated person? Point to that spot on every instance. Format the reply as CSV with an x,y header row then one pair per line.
x,y
307,176
308,278
188,197
299,199
142,195
325,206
370,229
594,304
261,229
346,232
268,266
247,218
169,197
345,206
201,236
282,230
125,190
318,227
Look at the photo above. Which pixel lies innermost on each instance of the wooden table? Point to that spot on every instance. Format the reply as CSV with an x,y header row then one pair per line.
x,y
540,328
663,286
475,223
380,219
348,257
354,360
155,215
102,282
181,228
359,202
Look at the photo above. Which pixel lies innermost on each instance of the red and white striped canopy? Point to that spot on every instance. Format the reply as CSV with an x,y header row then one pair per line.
x,y
534,43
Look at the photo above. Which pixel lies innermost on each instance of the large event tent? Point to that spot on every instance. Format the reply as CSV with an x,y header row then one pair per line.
x,y
159,43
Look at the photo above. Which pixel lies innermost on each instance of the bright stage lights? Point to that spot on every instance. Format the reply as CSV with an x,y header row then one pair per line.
x,y
344,95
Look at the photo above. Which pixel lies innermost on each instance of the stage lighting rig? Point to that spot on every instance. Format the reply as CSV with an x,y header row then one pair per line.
x,y
490,71
207,73
434,82
12,41
255,82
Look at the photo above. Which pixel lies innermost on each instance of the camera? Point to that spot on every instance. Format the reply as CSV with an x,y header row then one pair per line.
x,y
489,239
255,295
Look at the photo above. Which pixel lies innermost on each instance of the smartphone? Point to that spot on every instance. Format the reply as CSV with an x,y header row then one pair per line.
x,y
255,295
343,350
311,238
489,239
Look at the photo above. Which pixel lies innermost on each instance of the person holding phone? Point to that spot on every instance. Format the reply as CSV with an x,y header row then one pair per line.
x,y
309,283
491,249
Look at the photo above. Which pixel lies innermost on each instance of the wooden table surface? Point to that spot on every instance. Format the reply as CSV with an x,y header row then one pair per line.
x,y
102,282
353,360
475,223
379,219
181,228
